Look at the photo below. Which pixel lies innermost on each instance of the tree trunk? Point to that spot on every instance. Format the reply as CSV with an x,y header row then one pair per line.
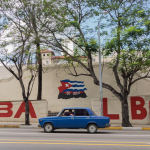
x,y
125,113
27,120
39,95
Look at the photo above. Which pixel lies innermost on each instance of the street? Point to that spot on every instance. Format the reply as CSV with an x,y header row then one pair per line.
x,y
66,139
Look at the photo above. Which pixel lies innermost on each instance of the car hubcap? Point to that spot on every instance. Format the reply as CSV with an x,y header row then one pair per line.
x,y
92,128
48,128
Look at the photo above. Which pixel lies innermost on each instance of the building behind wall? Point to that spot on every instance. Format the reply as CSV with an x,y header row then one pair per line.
x,y
70,47
46,56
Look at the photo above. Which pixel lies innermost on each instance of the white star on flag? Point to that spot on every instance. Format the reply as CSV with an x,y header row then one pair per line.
x,y
67,85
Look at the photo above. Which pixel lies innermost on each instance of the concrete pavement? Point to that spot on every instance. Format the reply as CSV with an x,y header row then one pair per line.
x,y
35,125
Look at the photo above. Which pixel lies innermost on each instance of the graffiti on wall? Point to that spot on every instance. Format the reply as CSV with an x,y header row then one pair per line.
x,y
8,112
134,109
71,89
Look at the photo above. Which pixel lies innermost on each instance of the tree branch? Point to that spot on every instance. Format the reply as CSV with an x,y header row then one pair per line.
x,y
116,74
146,76
112,90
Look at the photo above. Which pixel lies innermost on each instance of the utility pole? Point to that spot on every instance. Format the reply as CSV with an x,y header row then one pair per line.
x,y
100,68
100,72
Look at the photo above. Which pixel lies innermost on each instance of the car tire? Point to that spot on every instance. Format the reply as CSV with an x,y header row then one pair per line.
x,y
48,128
92,128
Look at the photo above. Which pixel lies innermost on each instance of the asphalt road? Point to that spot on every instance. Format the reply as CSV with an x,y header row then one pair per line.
x,y
37,139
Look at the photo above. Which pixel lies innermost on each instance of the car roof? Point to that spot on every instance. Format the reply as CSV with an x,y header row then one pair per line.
x,y
76,108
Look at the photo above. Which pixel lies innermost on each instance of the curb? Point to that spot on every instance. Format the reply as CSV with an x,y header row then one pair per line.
x,y
18,126
9,126
145,128
28,126
109,128
125,128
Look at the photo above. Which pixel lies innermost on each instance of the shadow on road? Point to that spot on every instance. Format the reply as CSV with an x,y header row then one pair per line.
x,y
78,132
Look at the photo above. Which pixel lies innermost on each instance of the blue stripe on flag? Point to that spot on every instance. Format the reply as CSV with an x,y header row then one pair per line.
x,y
76,85
71,81
74,90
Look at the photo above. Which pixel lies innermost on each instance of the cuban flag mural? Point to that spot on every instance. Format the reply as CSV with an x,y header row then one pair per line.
x,y
70,89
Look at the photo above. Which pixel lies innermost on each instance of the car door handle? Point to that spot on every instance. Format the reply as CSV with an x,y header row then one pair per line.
x,y
72,118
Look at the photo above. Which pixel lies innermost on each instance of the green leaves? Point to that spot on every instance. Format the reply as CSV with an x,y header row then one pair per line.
x,y
90,47
134,32
74,24
142,14
130,35
110,46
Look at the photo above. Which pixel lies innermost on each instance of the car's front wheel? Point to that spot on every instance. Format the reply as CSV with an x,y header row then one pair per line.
x,y
48,127
92,128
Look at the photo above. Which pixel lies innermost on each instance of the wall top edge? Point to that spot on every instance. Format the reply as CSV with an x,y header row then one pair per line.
x,y
22,100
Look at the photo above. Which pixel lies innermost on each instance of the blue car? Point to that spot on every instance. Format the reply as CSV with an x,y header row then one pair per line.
x,y
74,118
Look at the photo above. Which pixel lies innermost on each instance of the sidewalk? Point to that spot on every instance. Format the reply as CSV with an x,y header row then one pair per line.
x,y
35,125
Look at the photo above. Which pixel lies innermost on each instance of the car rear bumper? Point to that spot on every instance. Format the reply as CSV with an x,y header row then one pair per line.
x,y
107,125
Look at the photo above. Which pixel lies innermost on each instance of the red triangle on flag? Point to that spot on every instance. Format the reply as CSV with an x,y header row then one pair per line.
x,y
65,85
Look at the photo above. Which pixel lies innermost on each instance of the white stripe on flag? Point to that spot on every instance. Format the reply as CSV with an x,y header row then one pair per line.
x,y
79,88
76,83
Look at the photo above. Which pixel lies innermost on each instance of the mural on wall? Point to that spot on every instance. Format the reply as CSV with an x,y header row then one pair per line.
x,y
71,89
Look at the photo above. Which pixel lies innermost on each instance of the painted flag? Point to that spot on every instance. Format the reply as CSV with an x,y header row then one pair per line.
x,y
71,89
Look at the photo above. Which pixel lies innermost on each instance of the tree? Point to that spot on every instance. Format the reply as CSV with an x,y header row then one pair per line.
x,y
26,12
130,25
129,21
16,62
33,11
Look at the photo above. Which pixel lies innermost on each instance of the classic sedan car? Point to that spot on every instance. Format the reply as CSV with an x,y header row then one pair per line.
x,y
74,118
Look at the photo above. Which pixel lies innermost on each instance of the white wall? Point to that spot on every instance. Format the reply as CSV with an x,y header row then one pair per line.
x,y
10,90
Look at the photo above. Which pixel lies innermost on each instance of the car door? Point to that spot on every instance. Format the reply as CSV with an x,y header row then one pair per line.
x,y
81,118
66,121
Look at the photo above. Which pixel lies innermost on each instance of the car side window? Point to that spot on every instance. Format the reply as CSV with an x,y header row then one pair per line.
x,y
67,112
81,112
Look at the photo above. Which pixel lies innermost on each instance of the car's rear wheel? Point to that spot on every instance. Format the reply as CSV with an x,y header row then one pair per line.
x,y
92,128
48,127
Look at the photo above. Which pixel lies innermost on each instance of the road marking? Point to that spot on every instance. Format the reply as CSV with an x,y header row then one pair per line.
x,y
110,135
72,141
71,144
